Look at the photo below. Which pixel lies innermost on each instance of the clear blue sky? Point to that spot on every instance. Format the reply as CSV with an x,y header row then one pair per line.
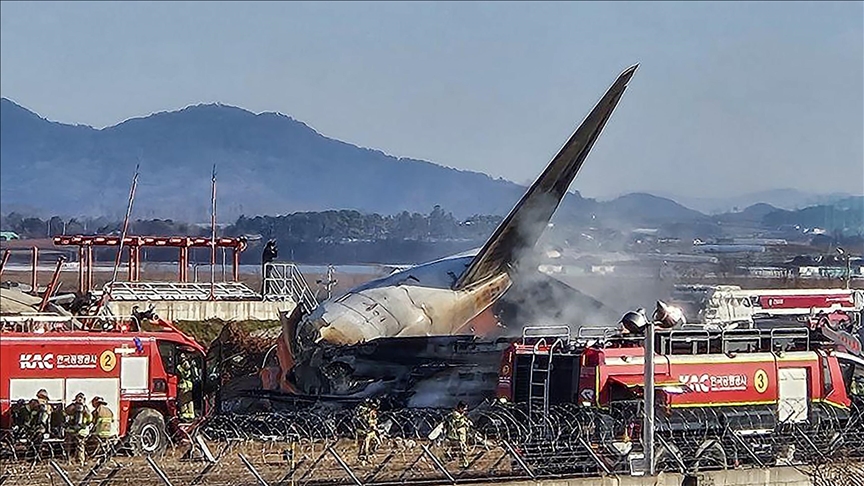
x,y
730,97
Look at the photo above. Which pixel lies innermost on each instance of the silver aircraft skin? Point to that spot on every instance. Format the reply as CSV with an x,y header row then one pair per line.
x,y
441,298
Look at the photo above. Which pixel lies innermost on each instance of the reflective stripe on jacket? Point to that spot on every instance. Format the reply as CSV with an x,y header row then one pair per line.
x,y
103,418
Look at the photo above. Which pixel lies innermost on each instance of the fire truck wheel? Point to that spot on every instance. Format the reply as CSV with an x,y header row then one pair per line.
x,y
147,433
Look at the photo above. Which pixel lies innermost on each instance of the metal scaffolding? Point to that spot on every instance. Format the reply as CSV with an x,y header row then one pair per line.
x,y
283,281
148,291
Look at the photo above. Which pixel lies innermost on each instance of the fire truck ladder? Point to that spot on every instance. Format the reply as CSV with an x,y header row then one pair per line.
x,y
539,375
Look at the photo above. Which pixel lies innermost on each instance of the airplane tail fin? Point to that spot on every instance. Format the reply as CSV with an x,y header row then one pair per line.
x,y
521,229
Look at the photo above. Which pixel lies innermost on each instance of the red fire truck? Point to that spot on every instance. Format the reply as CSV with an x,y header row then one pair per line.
x,y
132,369
709,368
747,381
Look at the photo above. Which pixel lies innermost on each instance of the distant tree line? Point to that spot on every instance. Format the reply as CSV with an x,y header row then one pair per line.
x,y
309,237
33,227
315,227
352,226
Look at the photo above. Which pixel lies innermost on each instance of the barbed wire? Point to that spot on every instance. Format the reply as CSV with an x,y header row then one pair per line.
x,y
506,441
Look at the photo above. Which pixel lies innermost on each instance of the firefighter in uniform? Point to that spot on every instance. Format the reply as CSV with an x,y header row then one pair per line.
x,y
77,428
20,417
856,388
103,420
39,416
456,426
187,375
366,426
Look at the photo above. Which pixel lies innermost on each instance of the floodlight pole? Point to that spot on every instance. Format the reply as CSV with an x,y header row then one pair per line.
x,y
213,236
648,406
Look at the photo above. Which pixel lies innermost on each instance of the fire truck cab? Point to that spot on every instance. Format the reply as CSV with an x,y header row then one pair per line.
x,y
132,369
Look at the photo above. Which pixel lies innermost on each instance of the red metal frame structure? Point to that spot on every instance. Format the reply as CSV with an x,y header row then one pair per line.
x,y
85,246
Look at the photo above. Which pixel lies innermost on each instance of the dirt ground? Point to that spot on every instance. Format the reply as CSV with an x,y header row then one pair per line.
x,y
276,462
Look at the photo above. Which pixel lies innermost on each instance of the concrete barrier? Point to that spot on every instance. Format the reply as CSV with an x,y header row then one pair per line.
x,y
777,476
179,310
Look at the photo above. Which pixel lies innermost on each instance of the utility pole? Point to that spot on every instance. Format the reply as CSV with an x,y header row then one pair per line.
x,y
648,406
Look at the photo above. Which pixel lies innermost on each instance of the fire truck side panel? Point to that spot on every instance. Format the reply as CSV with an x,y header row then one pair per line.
x,y
826,301
711,380
831,381
792,395
63,366
125,369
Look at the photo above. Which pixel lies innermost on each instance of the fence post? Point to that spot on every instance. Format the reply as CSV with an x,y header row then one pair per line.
x,y
61,473
477,457
410,467
681,466
204,472
344,466
438,463
380,467
594,455
252,469
202,446
290,474
648,423
158,471
95,469
110,476
518,459
313,465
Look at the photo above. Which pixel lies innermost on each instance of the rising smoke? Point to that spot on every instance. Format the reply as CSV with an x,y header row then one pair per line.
x,y
538,299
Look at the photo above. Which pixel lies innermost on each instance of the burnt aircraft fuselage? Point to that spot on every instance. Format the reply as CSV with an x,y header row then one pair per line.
x,y
436,299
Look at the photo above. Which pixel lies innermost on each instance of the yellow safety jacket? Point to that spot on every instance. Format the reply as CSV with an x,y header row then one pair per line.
x,y
457,425
103,418
186,374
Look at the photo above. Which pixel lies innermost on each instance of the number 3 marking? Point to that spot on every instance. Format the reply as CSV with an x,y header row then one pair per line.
x,y
761,380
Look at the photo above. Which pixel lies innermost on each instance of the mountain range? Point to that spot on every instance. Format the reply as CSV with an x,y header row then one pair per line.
x,y
267,163
777,198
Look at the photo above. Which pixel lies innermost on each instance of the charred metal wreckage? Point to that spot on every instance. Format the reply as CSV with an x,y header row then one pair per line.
x,y
427,309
